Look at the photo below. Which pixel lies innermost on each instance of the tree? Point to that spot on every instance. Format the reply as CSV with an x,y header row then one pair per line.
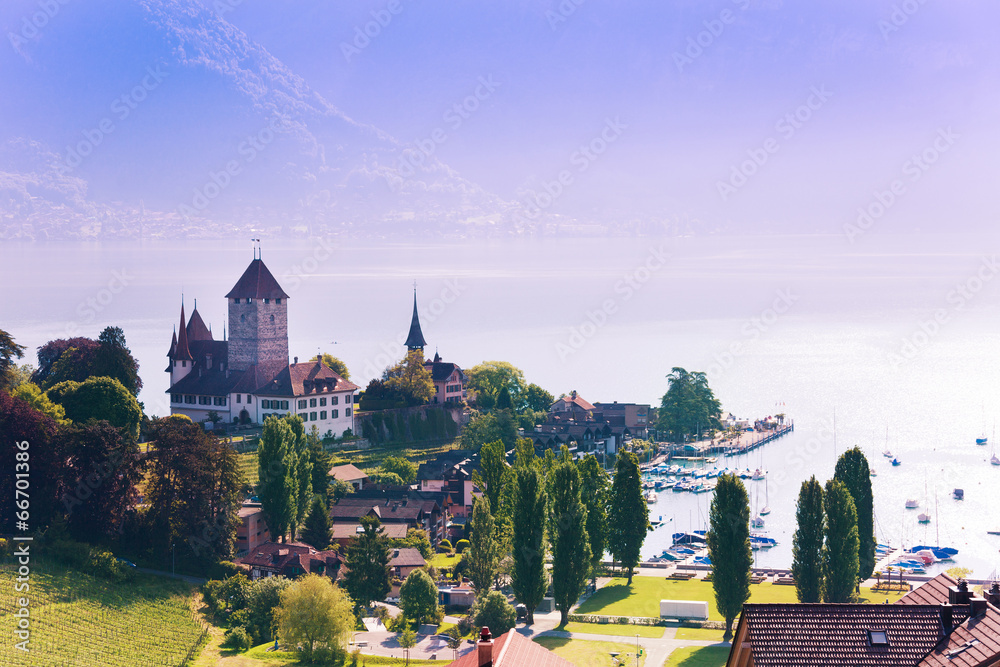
x,y
491,378
103,469
39,400
595,486
276,469
397,464
689,407
314,612
321,462
99,398
336,365
317,528
490,427
303,469
113,359
411,378
568,535
418,597
529,578
483,554
193,492
840,553
387,478
415,539
628,513
807,544
368,577
494,612
495,476
20,423
9,351
852,469
729,548
263,601
53,368
536,399
337,489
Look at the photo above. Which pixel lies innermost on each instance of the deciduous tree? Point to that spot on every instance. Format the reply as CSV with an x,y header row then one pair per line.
x,y
9,351
397,464
807,544
314,612
529,578
840,553
99,398
536,399
418,597
729,548
483,554
689,406
490,378
494,612
628,513
411,378
568,535
336,365
852,469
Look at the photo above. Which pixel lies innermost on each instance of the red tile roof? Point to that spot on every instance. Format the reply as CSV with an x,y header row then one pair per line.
x,y
181,352
257,283
312,377
934,591
406,557
196,329
975,642
281,558
514,650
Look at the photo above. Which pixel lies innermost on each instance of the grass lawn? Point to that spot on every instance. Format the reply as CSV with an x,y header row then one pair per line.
x,y
83,620
616,629
258,656
444,560
706,656
706,634
584,653
643,598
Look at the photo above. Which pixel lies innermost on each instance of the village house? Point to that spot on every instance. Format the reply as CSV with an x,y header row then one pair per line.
x,y
572,419
348,473
345,531
247,378
252,529
392,505
940,623
291,560
450,473
509,650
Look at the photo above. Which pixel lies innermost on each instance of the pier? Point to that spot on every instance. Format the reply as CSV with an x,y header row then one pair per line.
x,y
745,442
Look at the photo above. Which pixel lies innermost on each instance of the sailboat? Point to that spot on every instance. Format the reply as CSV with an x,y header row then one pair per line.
x,y
993,458
982,440
923,518
767,508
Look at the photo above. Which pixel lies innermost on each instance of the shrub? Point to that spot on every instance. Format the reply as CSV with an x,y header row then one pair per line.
x,y
444,544
236,638
495,612
465,625
462,545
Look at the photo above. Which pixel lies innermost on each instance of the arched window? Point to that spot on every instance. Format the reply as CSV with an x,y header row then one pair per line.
x,y
243,318
272,319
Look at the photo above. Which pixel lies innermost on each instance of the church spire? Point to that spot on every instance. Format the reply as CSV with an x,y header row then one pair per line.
x,y
182,352
415,339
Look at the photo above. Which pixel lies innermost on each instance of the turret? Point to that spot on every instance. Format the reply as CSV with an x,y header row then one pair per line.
x,y
415,339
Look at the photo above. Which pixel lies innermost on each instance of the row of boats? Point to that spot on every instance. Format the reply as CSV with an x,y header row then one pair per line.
x,y
688,545
916,559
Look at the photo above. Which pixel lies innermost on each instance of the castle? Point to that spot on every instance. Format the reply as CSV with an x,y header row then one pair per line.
x,y
248,378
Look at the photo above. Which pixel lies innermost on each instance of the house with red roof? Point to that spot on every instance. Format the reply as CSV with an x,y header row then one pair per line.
x,y
509,650
940,624
291,560
247,378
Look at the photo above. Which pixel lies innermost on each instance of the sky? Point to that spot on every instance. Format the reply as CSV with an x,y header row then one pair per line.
x,y
746,116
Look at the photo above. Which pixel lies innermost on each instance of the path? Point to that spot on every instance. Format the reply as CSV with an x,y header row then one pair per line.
x,y
160,573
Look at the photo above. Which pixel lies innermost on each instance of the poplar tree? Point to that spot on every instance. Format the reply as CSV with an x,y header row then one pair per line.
x,y
853,470
729,548
278,485
840,553
595,486
628,513
807,544
568,534
483,554
303,469
529,579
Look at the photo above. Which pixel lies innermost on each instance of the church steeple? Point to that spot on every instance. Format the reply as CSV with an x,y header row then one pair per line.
x,y
415,339
182,352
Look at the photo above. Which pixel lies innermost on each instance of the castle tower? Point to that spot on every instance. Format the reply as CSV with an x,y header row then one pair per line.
x,y
258,319
415,339
181,360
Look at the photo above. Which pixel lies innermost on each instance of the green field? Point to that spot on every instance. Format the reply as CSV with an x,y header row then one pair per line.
x,y
444,560
706,656
77,619
643,597
584,653
615,629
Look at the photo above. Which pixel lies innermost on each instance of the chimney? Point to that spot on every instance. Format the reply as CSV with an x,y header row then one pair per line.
x,y
485,648
947,619
959,594
296,360
977,606
993,596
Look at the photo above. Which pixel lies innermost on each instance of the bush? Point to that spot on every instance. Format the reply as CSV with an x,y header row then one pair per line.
x,y
223,570
462,545
236,638
465,625
496,613
444,545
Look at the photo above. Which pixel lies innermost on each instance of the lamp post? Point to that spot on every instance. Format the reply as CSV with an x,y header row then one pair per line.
x,y
637,651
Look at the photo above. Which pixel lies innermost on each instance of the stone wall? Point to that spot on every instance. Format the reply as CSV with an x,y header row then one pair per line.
x,y
258,332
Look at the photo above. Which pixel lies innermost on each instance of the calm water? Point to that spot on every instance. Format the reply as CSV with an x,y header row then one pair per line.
x,y
876,333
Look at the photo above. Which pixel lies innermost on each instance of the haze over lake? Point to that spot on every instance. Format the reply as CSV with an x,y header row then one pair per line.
x,y
889,332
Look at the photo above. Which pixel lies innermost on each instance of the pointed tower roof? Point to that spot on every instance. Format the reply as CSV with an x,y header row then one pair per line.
x,y
257,283
196,329
182,352
173,345
415,339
